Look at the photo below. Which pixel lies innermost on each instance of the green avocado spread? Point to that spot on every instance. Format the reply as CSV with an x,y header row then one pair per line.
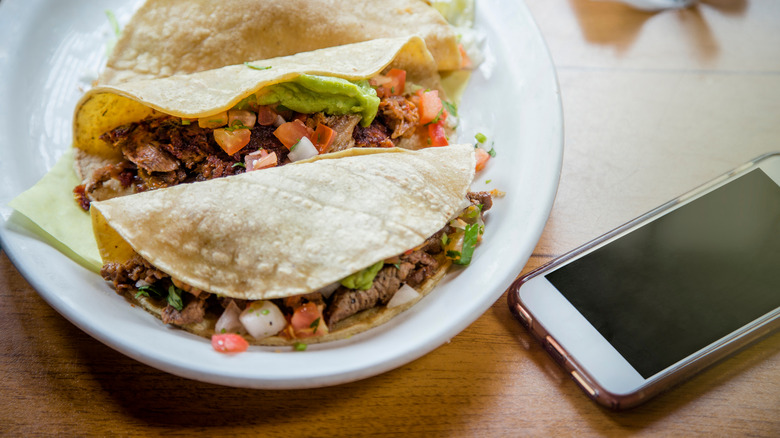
x,y
310,94
363,279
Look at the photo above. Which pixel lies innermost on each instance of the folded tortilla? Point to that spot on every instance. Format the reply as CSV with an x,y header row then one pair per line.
x,y
291,230
211,92
169,37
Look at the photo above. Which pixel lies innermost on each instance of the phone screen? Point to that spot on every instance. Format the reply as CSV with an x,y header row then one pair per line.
x,y
685,280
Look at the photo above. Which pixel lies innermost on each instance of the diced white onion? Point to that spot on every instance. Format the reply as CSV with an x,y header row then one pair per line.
x,y
404,295
228,322
302,150
142,283
279,121
262,319
328,290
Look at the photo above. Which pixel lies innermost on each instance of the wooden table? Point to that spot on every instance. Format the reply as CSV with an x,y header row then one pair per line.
x,y
654,105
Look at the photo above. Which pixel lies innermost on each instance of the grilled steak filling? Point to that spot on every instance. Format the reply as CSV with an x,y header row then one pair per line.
x,y
165,151
189,305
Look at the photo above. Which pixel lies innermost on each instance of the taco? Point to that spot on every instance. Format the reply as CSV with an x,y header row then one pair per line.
x,y
169,37
145,135
314,251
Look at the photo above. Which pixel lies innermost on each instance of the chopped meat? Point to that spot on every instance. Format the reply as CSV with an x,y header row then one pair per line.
x,y
215,167
483,198
125,275
343,127
346,302
189,144
296,301
80,194
425,265
147,153
400,115
434,245
404,269
263,138
372,136
225,302
192,312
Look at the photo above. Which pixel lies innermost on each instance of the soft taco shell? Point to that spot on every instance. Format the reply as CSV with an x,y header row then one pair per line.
x,y
291,230
210,92
168,37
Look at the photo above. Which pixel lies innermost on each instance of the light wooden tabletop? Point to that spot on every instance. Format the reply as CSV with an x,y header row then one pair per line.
x,y
654,105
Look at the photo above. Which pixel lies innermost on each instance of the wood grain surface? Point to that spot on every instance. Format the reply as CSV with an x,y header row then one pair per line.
x,y
654,104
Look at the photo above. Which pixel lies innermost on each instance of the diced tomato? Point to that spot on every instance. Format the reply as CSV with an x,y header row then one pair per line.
x,y
391,83
244,117
231,141
437,134
482,158
430,105
291,132
260,159
266,115
324,137
229,343
307,321
397,81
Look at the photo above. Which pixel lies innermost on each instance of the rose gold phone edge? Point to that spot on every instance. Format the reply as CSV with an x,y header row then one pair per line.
x,y
671,376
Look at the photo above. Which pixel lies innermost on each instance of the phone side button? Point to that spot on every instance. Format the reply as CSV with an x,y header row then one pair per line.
x,y
583,383
555,350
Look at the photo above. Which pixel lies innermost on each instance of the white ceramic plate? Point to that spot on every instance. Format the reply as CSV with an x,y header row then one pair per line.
x,y
52,50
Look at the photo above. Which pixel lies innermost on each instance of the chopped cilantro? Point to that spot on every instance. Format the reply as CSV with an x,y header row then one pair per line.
x,y
256,67
469,243
397,265
174,298
265,311
296,144
299,346
453,254
315,324
444,239
237,124
480,137
224,330
451,107
492,152
149,291
239,164
487,181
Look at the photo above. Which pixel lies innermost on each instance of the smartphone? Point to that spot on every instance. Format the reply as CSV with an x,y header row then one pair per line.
x,y
647,305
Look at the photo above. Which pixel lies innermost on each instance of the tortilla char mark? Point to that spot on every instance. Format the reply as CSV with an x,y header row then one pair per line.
x,y
165,151
190,306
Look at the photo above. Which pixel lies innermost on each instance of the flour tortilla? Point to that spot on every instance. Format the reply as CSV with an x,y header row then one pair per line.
x,y
291,230
211,92
169,37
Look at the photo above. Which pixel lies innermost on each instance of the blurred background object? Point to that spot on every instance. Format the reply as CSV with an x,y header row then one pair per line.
x,y
656,5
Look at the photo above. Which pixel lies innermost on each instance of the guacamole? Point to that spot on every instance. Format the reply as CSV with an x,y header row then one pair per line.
x,y
310,94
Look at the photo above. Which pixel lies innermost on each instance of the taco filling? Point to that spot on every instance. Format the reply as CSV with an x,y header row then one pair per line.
x,y
145,135
268,129
320,249
313,314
